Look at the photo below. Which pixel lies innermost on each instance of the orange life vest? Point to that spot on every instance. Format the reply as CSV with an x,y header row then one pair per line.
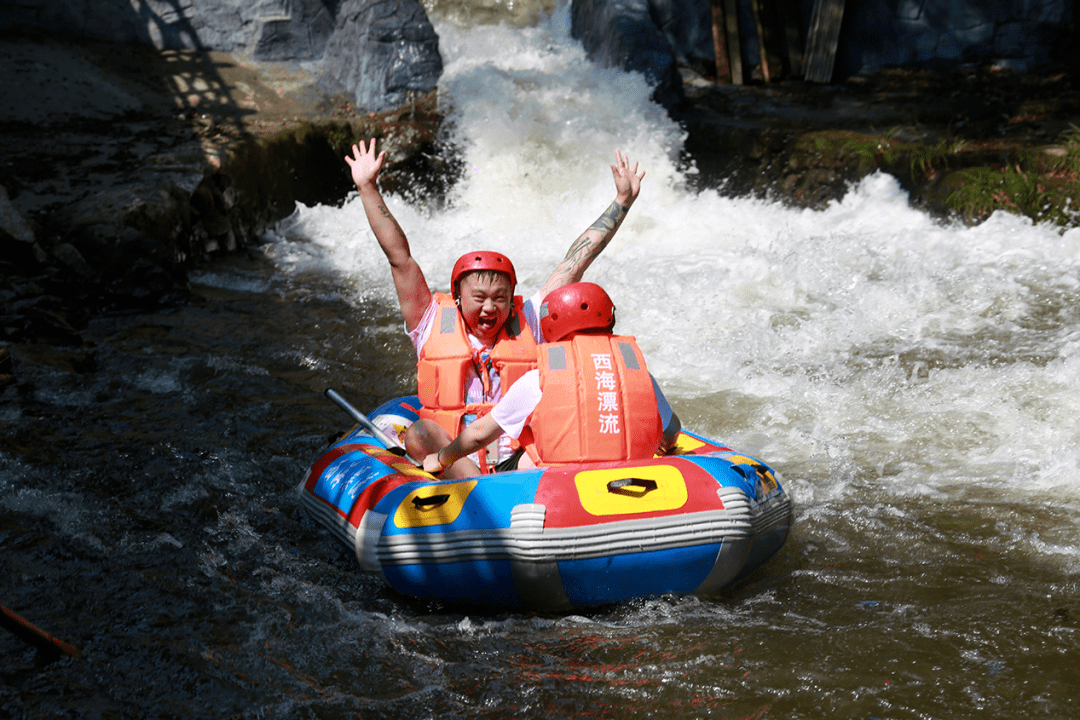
x,y
448,362
598,403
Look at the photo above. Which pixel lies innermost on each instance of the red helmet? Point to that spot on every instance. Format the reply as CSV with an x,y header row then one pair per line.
x,y
481,260
576,307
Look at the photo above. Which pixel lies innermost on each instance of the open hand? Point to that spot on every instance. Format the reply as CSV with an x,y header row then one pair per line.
x,y
627,180
364,163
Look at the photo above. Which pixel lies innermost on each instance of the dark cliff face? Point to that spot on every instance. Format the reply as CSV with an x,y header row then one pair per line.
x,y
135,146
125,166
653,36
382,53
376,51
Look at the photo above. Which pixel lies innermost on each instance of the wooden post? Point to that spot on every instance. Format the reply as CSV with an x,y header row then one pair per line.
x,y
822,40
723,68
734,47
789,13
762,52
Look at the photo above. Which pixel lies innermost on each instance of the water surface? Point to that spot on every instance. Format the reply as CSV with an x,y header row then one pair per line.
x,y
915,383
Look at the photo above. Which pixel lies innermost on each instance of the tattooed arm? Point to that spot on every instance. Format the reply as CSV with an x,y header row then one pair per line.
x,y
590,243
412,289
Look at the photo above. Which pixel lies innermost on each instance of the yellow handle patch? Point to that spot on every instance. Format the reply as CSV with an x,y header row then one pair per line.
x,y
768,482
397,462
433,505
602,493
685,443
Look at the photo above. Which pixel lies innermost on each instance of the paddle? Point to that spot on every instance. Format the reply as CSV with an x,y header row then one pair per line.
x,y
32,634
368,425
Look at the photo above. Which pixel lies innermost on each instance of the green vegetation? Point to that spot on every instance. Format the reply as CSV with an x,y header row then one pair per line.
x,y
972,179
886,151
1044,187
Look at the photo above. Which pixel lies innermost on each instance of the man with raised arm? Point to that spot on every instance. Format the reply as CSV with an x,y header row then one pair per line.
x,y
475,341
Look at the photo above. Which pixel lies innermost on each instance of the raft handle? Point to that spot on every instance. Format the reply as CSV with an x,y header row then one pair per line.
x,y
430,502
619,486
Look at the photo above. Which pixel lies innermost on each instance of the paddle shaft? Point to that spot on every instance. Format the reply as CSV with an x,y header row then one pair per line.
x,y
32,634
367,424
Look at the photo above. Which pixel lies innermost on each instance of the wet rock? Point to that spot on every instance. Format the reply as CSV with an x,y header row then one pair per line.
x,y
17,242
378,51
1015,36
298,31
382,53
44,317
624,34
13,228
146,284
73,259
944,135
7,368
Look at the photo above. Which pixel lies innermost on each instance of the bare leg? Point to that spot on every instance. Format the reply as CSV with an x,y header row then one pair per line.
x,y
425,437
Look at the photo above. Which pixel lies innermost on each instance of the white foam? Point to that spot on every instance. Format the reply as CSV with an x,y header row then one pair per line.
x,y
863,343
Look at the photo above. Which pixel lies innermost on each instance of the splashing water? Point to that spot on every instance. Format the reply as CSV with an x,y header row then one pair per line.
x,y
862,343
915,383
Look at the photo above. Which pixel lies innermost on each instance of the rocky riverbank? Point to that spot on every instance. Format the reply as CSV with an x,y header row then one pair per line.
x,y
966,141
125,166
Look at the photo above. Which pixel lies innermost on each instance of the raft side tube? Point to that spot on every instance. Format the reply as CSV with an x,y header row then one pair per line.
x,y
553,544
550,539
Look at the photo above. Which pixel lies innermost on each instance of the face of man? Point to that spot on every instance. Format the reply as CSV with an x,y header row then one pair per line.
x,y
485,302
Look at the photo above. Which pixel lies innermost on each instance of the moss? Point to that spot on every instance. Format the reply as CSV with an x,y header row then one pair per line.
x,y
1043,185
946,175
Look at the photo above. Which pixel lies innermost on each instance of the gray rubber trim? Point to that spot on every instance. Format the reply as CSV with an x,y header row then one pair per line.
x,y
538,584
730,560
522,543
328,516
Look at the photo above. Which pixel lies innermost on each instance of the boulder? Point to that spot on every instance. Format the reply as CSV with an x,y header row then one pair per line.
x,y
297,31
13,227
1018,36
377,51
687,26
382,52
655,36
623,34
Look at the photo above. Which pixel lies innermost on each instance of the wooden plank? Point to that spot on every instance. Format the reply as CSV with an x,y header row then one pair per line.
x,y
719,36
734,47
822,40
789,18
762,52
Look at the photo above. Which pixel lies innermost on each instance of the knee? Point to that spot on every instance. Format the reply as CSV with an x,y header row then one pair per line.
x,y
425,437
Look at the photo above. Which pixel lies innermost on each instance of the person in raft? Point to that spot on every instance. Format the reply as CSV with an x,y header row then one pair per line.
x,y
478,339
592,399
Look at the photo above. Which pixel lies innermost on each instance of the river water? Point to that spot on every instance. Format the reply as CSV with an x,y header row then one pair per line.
x,y
916,384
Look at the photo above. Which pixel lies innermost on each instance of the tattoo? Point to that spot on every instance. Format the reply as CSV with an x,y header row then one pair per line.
x,y
585,249
611,219
385,212
580,250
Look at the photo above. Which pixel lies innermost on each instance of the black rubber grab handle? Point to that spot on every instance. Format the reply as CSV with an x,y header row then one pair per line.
x,y
618,486
426,503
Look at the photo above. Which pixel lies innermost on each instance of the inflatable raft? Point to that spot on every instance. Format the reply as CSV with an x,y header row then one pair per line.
x,y
549,538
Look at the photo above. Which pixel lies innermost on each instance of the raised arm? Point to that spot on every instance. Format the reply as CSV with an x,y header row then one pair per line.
x,y
590,243
412,289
